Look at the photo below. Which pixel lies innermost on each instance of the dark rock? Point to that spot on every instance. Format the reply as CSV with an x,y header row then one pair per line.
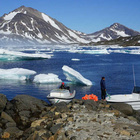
x,y
61,107
124,108
55,128
3,101
90,105
10,124
137,115
10,109
14,132
28,103
49,125
34,136
28,132
46,136
0,130
73,138
5,116
77,101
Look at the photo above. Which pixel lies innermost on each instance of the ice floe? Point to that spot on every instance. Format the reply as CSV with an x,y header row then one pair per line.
x,y
74,76
12,55
16,74
75,59
99,51
47,78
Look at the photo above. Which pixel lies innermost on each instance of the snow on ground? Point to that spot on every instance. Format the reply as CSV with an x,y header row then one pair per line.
x,y
16,74
47,78
74,76
22,55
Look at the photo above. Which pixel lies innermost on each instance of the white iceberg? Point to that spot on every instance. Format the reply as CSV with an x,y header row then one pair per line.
x,y
12,55
47,78
16,74
74,76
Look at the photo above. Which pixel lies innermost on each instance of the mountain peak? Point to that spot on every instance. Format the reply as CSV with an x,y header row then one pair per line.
x,y
114,31
29,25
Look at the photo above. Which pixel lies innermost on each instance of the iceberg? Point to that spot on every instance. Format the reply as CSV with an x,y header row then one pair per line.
x,y
13,55
16,74
74,76
47,78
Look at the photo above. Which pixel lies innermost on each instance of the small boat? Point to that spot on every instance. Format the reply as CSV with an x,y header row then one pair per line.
x,y
60,95
132,99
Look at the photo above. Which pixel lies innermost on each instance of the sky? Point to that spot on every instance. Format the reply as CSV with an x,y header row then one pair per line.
x,y
87,16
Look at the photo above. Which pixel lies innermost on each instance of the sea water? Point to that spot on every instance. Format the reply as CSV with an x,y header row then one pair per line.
x,y
116,67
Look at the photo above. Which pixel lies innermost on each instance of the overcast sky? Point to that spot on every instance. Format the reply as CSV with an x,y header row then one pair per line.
x,y
87,16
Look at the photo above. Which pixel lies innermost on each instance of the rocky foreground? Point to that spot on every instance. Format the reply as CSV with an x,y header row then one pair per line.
x,y
28,118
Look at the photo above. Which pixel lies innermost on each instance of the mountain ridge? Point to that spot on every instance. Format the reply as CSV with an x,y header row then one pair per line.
x,y
37,27
26,25
114,31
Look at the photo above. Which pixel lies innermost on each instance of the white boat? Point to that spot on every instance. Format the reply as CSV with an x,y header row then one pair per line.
x,y
131,99
60,95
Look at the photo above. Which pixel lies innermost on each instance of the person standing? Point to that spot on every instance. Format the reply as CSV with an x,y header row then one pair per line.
x,y
103,88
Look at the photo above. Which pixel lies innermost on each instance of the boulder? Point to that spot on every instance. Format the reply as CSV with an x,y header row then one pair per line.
x,y
55,128
77,101
5,116
3,101
124,108
61,107
137,115
14,132
90,105
28,103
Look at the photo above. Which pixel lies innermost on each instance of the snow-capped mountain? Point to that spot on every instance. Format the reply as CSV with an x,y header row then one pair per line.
x,y
29,26
26,25
113,32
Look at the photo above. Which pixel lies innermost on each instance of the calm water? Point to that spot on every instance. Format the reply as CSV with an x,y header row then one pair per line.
x,y
116,67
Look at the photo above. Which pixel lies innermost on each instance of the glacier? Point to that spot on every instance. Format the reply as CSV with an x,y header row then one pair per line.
x,y
74,76
16,74
46,78
13,55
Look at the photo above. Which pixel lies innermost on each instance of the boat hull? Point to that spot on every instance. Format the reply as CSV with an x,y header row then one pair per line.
x,y
130,99
58,99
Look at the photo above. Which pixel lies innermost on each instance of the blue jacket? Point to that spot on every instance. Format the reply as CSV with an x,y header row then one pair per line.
x,y
102,83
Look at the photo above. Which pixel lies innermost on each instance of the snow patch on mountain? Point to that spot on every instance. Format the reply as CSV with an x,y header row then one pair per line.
x,y
120,33
49,20
11,15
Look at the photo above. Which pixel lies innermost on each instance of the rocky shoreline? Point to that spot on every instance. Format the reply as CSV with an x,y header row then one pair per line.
x,y
28,118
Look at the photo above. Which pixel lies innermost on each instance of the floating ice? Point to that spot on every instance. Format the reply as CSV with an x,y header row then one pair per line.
x,y
12,55
74,76
100,51
16,74
47,78
75,59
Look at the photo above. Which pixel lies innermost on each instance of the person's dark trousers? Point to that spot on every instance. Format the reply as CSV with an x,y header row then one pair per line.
x,y
103,95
